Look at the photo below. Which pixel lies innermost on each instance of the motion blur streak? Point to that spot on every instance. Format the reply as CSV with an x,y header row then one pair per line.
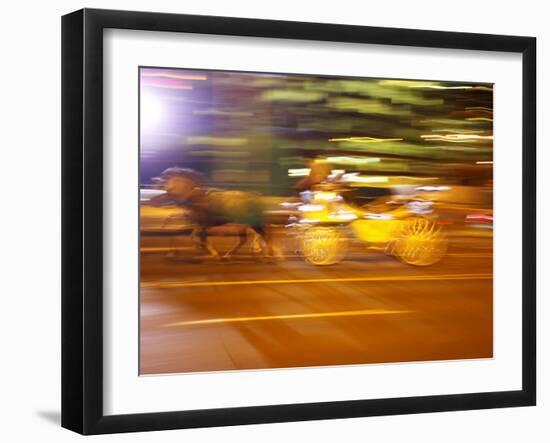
x,y
365,139
286,317
291,220
163,74
445,277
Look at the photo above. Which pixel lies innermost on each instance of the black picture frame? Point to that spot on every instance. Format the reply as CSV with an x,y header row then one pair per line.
x,y
82,218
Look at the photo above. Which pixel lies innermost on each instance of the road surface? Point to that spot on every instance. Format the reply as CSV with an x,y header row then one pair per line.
x,y
244,314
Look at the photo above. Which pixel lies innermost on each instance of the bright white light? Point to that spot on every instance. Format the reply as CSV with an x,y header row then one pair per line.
x,y
432,188
311,208
151,112
354,177
353,160
300,172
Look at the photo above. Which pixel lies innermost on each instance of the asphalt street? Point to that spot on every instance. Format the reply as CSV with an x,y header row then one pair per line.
x,y
245,313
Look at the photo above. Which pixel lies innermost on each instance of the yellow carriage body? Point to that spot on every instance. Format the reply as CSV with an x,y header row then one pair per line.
x,y
416,240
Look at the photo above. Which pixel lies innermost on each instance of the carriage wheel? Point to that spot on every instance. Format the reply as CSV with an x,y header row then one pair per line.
x,y
422,242
324,245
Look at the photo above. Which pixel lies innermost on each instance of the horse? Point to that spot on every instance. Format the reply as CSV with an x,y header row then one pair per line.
x,y
242,213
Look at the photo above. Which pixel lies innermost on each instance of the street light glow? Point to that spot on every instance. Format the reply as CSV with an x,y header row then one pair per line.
x,y
151,112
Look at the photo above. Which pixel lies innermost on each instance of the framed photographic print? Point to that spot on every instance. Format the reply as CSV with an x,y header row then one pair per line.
x,y
269,221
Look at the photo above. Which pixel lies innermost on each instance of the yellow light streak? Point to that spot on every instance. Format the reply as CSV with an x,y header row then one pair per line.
x,y
441,87
364,139
191,284
451,141
480,119
479,88
479,108
288,317
462,131
450,137
405,83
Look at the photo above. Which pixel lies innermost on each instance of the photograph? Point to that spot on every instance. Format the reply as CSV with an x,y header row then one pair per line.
x,y
282,219
299,220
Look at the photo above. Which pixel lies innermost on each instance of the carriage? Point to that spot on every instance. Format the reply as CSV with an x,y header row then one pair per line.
x,y
407,227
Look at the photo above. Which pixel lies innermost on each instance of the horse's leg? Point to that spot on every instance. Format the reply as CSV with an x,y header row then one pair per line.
x,y
258,243
200,237
270,249
242,240
209,246
172,243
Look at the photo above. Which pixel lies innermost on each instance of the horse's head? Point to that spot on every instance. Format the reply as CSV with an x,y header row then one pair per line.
x,y
181,182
